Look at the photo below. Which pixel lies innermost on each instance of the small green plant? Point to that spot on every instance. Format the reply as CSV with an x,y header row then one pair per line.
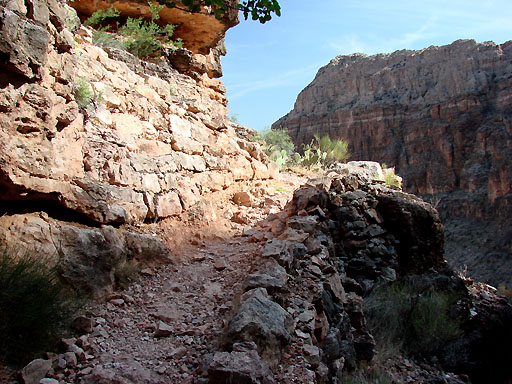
x,y
102,38
125,274
390,177
278,146
276,141
369,375
335,150
281,189
84,94
35,307
143,38
101,15
415,322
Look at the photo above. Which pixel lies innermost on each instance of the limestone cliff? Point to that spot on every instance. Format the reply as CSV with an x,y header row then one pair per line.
x,y
152,140
441,115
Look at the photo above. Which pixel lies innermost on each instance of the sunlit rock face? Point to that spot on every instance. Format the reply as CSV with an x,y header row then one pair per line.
x,y
441,115
94,137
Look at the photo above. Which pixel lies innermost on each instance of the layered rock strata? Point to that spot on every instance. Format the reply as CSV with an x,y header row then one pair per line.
x,y
100,137
442,116
340,238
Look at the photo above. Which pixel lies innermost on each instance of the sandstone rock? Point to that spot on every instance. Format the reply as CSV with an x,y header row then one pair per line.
x,y
88,257
418,228
83,324
24,42
242,198
48,381
35,371
284,252
124,371
270,276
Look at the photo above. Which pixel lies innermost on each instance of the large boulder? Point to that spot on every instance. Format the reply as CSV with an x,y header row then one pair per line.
x,y
262,321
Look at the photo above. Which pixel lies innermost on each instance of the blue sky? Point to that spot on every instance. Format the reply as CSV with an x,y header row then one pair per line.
x,y
268,65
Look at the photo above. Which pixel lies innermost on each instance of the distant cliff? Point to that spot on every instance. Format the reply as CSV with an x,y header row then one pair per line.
x,y
441,115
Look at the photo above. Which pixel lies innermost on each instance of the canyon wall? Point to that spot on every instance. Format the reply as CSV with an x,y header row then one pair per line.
x,y
442,116
151,140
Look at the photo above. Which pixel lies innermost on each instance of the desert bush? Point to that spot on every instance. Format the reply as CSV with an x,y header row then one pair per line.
x,y
414,322
390,177
369,375
322,151
278,146
101,15
277,140
126,274
335,150
84,94
35,307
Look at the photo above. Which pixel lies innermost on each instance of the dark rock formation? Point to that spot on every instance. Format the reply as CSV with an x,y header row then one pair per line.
x,y
442,116
344,237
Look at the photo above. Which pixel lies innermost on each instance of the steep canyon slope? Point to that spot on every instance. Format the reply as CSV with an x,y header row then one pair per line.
x,y
443,117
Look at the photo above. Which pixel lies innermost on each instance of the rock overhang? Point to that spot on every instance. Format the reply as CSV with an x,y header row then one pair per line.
x,y
200,31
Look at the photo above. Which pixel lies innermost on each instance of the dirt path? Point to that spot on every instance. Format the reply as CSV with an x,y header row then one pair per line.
x,y
163,327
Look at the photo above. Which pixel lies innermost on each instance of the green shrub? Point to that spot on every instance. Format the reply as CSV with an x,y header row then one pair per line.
x,y
390,177
335,150
371,375
84,94
101,15
415,322
125,274
276,141
35,307
143,38
102,38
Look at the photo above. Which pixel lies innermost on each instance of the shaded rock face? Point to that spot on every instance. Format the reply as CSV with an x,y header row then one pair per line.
x,y
88,257
100,137
441,116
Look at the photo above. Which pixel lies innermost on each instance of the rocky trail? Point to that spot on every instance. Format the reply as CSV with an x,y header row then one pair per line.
x,y
161,328
264,288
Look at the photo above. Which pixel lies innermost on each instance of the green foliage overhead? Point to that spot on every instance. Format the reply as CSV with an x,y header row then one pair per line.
x,y
102,15
143,38
260,10
35,308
